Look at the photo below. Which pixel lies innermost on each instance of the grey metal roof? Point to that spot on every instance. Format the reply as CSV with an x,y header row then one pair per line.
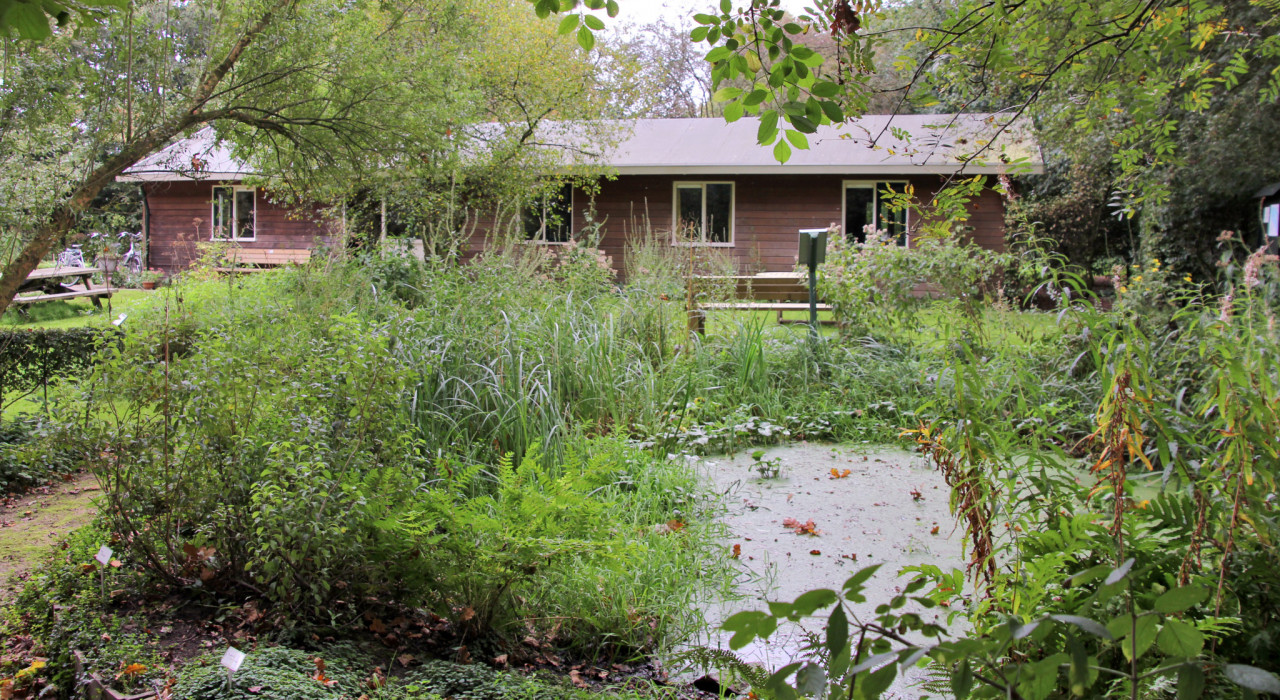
x,y
872,145
197,157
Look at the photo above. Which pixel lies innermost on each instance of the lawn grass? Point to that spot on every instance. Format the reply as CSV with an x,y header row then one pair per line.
x,y
74,313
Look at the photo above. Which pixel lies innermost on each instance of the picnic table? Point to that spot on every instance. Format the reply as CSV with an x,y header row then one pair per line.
x,y
48,284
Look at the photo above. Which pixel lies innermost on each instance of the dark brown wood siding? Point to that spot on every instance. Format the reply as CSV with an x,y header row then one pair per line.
x,y
179,220
769,210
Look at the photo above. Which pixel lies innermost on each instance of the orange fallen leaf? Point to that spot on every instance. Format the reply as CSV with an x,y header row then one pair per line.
x,y
378,626
840,473
806,528
737,551
934,531
815,552
675,525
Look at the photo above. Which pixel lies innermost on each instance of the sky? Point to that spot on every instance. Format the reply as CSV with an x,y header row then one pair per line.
x,y
645,11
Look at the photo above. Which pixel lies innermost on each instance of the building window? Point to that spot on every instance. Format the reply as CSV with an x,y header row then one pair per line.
x,y
550,219
704,212
235,213
866,204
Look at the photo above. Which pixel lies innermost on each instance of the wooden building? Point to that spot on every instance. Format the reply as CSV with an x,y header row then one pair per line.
x,y
693,181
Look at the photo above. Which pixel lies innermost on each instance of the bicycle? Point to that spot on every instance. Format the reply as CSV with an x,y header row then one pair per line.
x,y
132,259
71,257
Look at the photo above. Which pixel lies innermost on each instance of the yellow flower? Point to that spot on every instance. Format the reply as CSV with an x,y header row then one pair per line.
x,y
1124,289
1138,278
1186,278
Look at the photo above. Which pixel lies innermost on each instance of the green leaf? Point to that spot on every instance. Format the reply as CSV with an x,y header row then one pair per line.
x,y
1084,623
962,680
586,39
797,139
726,6
873,686
733,112
726,94
804,124
1190,682
544,8
611,8
1078,675
837,630
29,19
706,19
1179,599
1142,637
825,89
698,34
811,680
1090,574
765,135
755,97
1178,638
747,626
811,601
781,151
1254,679
719,53
568,24
595,23
1119,573
832,110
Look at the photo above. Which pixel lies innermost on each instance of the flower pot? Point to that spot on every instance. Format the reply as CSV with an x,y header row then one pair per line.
x,y
148,285
108,263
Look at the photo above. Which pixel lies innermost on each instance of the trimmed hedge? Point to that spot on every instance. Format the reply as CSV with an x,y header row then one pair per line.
x,y
30,359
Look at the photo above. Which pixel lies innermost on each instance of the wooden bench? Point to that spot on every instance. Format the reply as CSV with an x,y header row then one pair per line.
x,y
91,293
772,291
259,259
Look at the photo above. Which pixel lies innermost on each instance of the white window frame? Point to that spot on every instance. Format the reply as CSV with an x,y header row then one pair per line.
x,y
675,212
875,186
541,238
235,219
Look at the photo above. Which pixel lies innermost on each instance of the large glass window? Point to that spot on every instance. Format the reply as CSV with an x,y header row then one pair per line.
x,y
866,206
550,219
235,213
704,212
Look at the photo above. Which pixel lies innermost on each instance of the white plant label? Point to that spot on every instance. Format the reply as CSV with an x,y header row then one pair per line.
x,y
103,556
232,659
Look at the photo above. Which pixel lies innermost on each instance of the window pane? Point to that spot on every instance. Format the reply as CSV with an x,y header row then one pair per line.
x,y
719,213
894,222
532,220
244,214
689,212
222,215
859,212
560,215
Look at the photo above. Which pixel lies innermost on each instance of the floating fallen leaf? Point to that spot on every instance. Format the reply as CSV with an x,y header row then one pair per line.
x,y
815,552
840,473
934,531
737,551
806,528
916,495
